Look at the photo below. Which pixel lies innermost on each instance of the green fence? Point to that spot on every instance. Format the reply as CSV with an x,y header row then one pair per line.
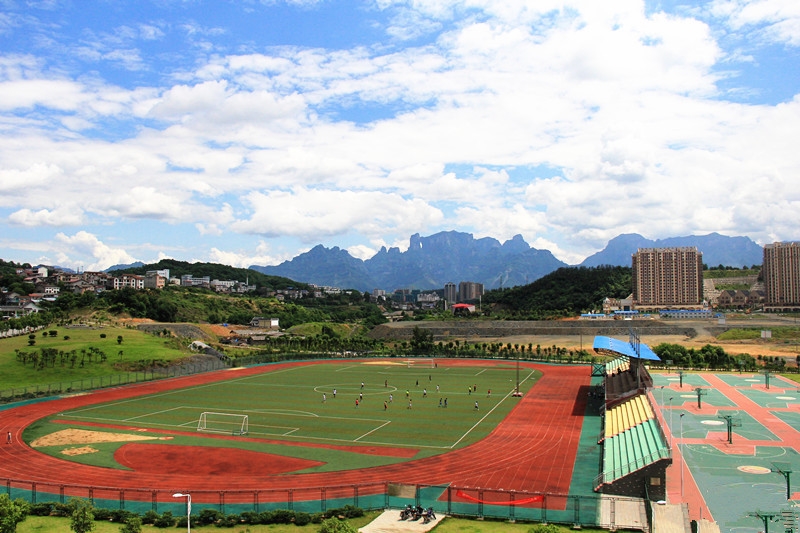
x,y
467,502
32,392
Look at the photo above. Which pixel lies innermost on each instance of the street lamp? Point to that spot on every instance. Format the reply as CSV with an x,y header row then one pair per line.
x,y
189,508
683,459
671,427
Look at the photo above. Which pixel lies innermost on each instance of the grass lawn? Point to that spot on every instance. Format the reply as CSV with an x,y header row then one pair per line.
x,y
50,524
136,347
287,405
36,524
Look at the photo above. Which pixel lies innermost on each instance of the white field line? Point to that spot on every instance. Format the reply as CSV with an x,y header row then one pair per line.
x,y
151,414
373,430
490,411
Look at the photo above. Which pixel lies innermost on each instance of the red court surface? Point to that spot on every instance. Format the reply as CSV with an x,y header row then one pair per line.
x,y
533,449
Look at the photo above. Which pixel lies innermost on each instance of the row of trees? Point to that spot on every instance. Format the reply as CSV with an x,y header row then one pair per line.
x,y
83,515
711,357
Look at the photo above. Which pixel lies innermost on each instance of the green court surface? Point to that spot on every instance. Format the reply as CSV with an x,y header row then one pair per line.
x,y
774,398
697,426
739,478
745,380
690,380
791,418
735,485
709,396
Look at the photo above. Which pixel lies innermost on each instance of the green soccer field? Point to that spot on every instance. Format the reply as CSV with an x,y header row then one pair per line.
x,y
399,404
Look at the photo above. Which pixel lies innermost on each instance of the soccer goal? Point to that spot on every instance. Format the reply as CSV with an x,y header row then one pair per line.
x,y
421,362
226,423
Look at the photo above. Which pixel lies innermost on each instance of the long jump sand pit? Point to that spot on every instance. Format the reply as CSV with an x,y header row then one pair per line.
x,y
70,436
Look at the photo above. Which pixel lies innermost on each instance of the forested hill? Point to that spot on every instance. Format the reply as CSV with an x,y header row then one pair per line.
x,y
567,291
217,271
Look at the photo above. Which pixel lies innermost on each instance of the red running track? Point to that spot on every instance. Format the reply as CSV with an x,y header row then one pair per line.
x,y
533,449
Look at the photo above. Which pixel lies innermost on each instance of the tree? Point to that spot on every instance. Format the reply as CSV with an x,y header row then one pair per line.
x,y
421,340
133,524
334,525
12,513
82,518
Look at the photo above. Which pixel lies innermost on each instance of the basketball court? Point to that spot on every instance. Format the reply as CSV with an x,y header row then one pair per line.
x,y
733,452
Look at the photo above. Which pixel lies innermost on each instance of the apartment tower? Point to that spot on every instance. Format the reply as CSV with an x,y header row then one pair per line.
x,y
469,290
781,271
668,278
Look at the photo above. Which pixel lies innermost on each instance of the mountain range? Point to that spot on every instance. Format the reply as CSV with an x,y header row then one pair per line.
x,y
452,256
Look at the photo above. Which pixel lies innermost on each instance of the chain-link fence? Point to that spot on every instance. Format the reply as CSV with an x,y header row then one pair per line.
x,y
468,502
33,392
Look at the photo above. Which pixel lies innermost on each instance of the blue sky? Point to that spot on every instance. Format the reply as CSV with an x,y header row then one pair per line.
x,y
246,132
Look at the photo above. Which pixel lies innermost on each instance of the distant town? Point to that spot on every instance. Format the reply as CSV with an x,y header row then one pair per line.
x,y
665,281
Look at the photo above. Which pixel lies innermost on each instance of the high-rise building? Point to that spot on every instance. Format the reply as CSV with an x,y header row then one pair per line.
x,y
667,278
450,293
781,271
469,290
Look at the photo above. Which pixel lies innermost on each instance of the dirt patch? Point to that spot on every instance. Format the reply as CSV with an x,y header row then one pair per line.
x,y
202,461
83,450
69,436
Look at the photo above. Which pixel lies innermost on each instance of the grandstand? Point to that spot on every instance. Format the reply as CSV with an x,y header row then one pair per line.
x,y
635,450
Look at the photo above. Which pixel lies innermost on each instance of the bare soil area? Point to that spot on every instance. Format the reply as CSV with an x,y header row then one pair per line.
x,y
69,436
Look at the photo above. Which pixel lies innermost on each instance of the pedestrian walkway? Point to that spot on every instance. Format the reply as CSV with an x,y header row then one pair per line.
x,y
389,522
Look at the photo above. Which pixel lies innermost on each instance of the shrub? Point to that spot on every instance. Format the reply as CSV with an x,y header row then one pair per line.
x,y
41,509
122,516
544,528
133,524
334,525
165,520
249,517
348,511
181,522
229,520
102,335
208,516
102,515
150,517
283,516
61,509
301,518
277,516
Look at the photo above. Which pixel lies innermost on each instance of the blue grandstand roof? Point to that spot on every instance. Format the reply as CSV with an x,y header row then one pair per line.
x,y
624,348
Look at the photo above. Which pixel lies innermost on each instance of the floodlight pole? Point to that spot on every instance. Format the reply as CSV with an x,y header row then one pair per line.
x,y
680,375
671,427
188,509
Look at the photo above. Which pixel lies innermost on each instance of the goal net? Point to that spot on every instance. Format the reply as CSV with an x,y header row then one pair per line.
x,y
227,423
